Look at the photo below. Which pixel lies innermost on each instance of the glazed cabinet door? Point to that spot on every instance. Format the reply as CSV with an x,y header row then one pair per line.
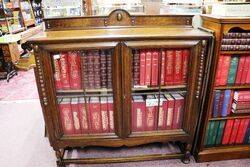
x,y
80,91
162,87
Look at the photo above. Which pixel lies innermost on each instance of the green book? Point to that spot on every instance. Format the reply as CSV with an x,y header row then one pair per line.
x,y
210,133
214,132
220,133
206,135
232,70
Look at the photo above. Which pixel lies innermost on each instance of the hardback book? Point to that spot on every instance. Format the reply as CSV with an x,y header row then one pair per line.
x,y
234,131
111,114
148,66
74,70
248,77
235,41
220,133
178,67
235,47
83,115
210,133
218,71
230,102
138,113
214,132
103,69
163,63
227,131
151,113
226,103
169,72
104,114
64,70
84,68
206,140
95,115
57,73
242,131
241,105
232,70
170,111
247,135
242,96
216,103
154,68
76,115
225,69
236,35
90,67
240,70
142,67
66,116
97,69
162,116
178,110
109,68
136,67
245,70
241,111
221,103
185,57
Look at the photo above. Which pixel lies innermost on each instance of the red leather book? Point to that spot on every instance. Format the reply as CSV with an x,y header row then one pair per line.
x,y
170,111
76,115
57,72
95,115
162,116
218,71
230,103
248,76
142,67
242,131
240,70
136,67
163,62
97,69
151,113
242,96
221,103
75,70
227,131
178,67
225,69
178,110
105,114
90,66
154,69
169,72
246,68
138,113
111,114
109,68
64,70
83,115
66,116
234,131
103,69
148,67
84,68
185,57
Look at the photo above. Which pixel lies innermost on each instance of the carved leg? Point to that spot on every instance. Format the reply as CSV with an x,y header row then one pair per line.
x,y
59,156
187,154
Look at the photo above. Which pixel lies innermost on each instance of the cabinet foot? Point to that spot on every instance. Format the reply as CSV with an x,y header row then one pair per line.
x,y
59,156
186,157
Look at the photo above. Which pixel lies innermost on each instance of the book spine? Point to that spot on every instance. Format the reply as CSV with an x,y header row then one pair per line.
x,y
136,68
169,72
170,114
216,103
185,57
105,115
151,118
148,67
57,74
232,70
218,71
84,67
64,71
230,103
234,131
227,131
76,118
75,71
226,103
206,140
225,69
178,67
83,117
111,117
154,68
242,131
95,117
142,67
247,135
138,116
97,70
162,121
245,70
210,134
163,62
220,133
221,103
235,47
109,69
214,132
90,63
248,77
103,69
240,70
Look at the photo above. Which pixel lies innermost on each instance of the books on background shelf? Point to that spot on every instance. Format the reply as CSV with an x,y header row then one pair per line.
x,y
229,132
92,115
150,113
227,101
236,41
76,70
233,70
171,64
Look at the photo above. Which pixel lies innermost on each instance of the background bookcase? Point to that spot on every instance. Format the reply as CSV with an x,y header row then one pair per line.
x,y
223,143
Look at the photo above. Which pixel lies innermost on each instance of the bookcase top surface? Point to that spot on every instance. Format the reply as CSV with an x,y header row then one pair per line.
x,y
113,34
223,19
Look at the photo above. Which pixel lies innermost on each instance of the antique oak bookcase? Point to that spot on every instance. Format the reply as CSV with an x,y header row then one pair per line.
x,y
230,145
121,41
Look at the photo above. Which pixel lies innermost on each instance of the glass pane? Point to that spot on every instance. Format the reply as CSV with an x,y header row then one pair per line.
x,y
83,81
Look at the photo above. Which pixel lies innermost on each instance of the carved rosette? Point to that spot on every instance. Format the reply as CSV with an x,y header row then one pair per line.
x,y
40,78
201,68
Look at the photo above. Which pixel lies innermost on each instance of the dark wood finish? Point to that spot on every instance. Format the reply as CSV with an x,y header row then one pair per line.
x,y
122,38
220,26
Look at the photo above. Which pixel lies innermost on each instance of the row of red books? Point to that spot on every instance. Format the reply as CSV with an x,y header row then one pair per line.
x,y
233,70
86,115
149,113
241,102
173,65
77,70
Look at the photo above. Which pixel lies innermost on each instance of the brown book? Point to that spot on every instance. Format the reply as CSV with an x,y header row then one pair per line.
x,y
84,65
90,66
235,47
136,67
103,69
109,69
97,73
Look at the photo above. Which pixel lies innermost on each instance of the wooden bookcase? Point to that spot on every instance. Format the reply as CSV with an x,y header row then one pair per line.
x,y
121,33
221,26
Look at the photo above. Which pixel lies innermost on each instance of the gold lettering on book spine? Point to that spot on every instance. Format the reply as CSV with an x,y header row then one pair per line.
x,y
104,120
150,117
139,118
96,118
76,120
67,120
111,119
160,122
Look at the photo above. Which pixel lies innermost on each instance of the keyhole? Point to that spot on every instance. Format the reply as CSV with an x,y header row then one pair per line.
x,y
119,16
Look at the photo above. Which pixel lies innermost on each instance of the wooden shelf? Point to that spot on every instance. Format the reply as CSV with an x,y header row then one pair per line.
x,y
232,87
229,117
172,87
82,91
235,52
